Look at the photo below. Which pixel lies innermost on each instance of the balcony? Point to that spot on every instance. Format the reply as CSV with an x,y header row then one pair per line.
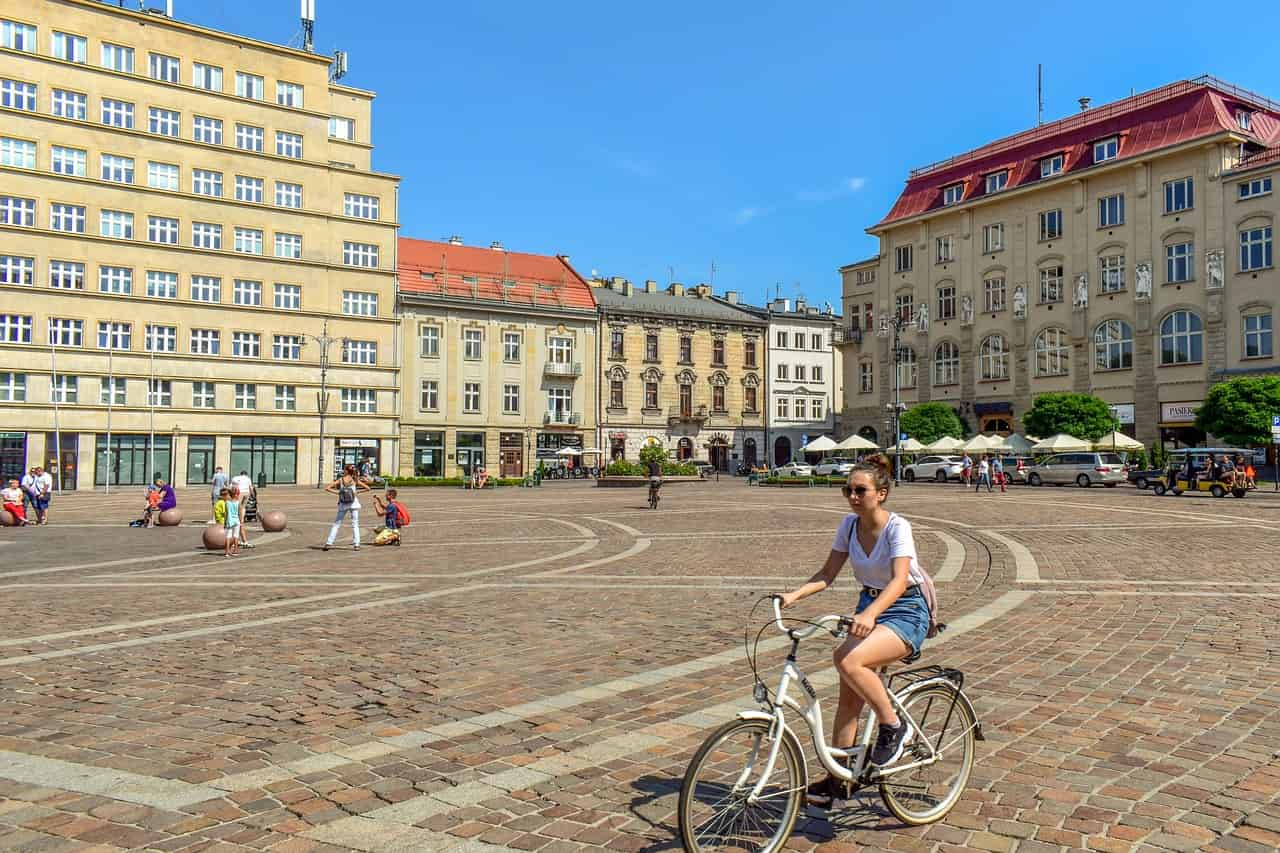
x,y
560,418
687,414
843,335
563,369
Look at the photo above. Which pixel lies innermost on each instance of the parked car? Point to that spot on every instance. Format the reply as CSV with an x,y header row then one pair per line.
x,y
793,469
940,468
1144,478
833,466
1083,469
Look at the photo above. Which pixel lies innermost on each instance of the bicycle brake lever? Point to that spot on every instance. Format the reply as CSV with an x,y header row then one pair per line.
x,y
842,628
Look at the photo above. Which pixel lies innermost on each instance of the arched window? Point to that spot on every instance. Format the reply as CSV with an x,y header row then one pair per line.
x,y
1181,338
1113,345
993,358
1051,348
907,368
946,364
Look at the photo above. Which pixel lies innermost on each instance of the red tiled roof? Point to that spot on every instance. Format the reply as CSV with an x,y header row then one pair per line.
x,y
491,275
1170,115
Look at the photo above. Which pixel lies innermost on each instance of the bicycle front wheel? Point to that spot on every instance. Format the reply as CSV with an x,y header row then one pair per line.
x,y
714,812
926,793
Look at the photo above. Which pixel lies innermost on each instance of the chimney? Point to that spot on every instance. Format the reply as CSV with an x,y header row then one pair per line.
x,y
731,296
650,286
780,304
676,289
800,306
496,245
455,240
627,289
702,291
1084,104
811,311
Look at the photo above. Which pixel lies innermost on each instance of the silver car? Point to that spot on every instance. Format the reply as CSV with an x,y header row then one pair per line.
x,y
833,466
1083,469
940,468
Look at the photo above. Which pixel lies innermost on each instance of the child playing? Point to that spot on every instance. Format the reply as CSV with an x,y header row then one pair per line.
x,y
231,525
220,507
393,515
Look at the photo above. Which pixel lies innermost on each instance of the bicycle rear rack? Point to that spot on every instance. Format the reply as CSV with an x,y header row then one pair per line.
x,y
922,673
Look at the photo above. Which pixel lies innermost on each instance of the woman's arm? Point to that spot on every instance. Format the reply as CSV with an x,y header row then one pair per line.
x,y
332,488
361,486
822,579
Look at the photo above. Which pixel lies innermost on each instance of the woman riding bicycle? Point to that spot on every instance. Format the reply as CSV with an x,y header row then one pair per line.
x,y
891,620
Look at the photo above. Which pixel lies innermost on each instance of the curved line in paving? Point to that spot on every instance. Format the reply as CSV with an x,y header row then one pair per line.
x,y
953,562
265,539
1026,569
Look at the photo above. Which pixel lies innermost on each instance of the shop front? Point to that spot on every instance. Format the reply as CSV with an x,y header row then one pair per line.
x,y
551,443
62,455
275,458
470,451
13,455
128,460
354,451
1124,414
617,446
200,462
428,453
1178,424
510,454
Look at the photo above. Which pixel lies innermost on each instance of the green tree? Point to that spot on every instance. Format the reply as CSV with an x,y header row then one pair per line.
x,y
1080,415
654,452
1239,412
928,422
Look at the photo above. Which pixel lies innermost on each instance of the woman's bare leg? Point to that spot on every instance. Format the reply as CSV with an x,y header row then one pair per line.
x,y
858,666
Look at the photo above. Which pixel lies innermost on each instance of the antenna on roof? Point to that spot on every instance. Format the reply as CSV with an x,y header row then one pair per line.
x,y
308,14
1039,94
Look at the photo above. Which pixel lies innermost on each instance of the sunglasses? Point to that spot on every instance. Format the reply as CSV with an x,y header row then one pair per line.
x,y
855,490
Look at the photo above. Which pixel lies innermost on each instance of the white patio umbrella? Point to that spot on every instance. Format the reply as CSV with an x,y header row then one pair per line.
x,y
1116,441
856,442
819,445
908,446
1019,445
979,444
568,451
592,451
946,444
1061,443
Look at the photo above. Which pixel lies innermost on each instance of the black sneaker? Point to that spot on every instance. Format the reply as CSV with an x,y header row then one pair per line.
x,y
889,744
825,791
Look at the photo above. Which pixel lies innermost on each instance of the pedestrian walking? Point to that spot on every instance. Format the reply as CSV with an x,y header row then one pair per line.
x,y
997,471
30,491
984,474
966,471
220,482
348,488
231,526
44,494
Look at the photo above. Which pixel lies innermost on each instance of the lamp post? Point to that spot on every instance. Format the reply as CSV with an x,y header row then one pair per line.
x,y
892,326
324,339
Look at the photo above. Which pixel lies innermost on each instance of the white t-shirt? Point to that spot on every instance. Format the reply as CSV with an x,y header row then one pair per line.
x,y
984,466
876,569
46,482
243,483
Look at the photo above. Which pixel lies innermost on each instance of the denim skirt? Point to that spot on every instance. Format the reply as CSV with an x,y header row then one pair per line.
x,y
908,617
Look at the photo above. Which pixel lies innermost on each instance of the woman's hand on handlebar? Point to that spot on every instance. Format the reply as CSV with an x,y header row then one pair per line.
x,y
862,625
785,599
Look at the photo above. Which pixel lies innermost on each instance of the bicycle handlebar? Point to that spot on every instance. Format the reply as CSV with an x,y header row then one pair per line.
x,y
815,625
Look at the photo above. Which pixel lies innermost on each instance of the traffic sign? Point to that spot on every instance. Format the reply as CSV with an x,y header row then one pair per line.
x,y
1275,421
902,436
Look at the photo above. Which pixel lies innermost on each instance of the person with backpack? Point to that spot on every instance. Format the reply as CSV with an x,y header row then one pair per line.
x,y
394,517
348,488
895,613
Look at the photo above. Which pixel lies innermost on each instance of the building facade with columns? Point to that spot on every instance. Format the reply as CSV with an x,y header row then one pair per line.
x,y
1124,251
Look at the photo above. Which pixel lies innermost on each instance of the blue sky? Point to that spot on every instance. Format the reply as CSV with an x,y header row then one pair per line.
x,y
762,137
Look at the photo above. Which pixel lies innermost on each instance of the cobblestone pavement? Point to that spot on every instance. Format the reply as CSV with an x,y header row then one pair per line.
x,y
533,670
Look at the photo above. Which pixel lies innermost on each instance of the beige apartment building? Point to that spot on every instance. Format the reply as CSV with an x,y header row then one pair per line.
x,y
1123,251
189,224
500,357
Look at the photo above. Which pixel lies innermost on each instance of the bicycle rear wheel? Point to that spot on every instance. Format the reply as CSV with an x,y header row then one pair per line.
x,y
714,813
925,794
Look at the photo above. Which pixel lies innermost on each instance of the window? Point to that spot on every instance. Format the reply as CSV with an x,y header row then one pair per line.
x,y
510,346
1244,119
162,176
112,391
289,144
946,364
802,408
289,246
206,342
1106,149
784,407
66,104
750,403
1050,166
249,86
947,302
70,48
997,181
946,250
816,406
472,344
162,285
1050,224
511,399
1178,195
801,372
1257,335
342,128
783,340
471,397
288,94
206,235
248,189
249,138
1181,338
904,306
286,398
117,57
117,169
245,292
430,399
247,396
288,297
246,344
429,337
66,217
17,211
717,352
686,349
114,335
1178,262
206,288
64,388
70,333
1255,187
651,395
207,130
69,161
161,338
908,373
784,371
360,304
993,358
616,398
1111,210
248,241
953,194
902,259
162,229
1051,349
1112,273
206,182
66,275
1255,248
616,341
1051,284
117,113
13,387
749,352
202,395
359,352
286,347
360,206
359,254
18,96
116,223
15,328
163,122
288,195
993,293
163,67
206,77
17,152
16,36
651,347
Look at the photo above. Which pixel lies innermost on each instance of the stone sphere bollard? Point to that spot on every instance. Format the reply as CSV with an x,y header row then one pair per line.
x,y
7,519
273,521
214,537
170,517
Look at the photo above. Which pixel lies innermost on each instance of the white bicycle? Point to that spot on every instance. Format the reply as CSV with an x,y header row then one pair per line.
x,y
745,785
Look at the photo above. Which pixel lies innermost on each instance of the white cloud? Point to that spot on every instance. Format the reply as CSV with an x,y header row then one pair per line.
x,y
746,214
856,184
846,186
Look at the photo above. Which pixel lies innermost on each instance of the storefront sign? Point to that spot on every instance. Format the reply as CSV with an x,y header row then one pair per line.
x,y
620,436
1123,412
1180,413
549,443
357,442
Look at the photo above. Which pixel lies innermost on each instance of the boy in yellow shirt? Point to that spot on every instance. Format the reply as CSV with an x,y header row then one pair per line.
x,y
220,507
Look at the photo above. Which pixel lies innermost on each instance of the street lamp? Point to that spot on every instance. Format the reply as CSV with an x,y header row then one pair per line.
x,y
892,326
324,339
